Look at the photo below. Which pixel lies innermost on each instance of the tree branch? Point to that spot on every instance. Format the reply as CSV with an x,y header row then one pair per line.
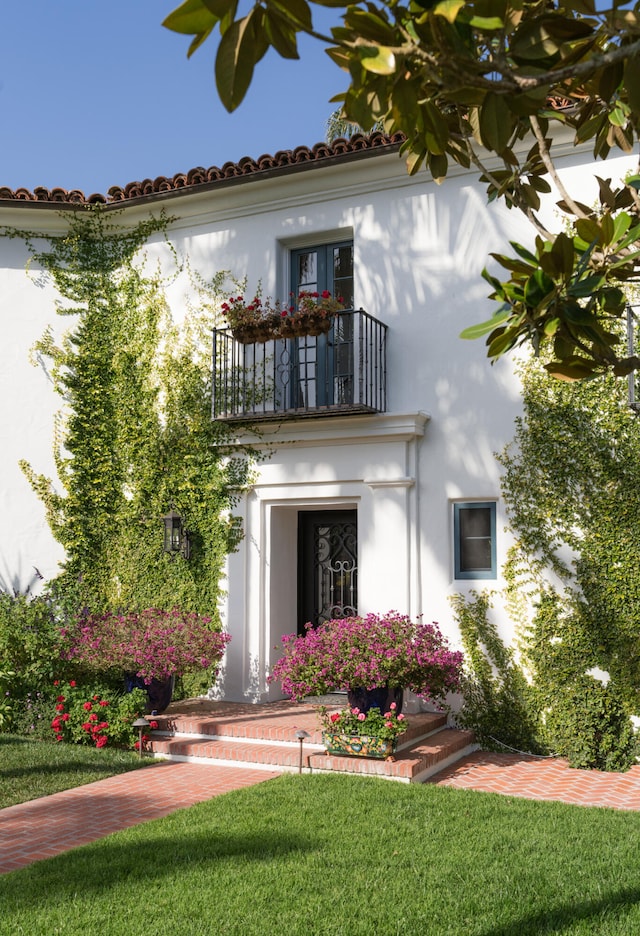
x,y
551,169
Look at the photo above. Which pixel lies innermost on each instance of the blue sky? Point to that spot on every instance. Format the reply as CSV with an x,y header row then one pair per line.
x,y
95,93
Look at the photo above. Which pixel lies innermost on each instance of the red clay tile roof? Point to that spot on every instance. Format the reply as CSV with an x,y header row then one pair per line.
x,y
284,160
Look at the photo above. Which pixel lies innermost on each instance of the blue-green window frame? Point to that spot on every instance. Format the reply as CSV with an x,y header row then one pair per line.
x,y
489,572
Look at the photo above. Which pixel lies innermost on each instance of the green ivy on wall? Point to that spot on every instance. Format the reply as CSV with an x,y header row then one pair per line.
x,y
571,486
136,435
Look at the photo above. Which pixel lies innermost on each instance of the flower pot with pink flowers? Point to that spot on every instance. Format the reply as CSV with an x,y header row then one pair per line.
x,y
263,319
387,652
151,647
363,734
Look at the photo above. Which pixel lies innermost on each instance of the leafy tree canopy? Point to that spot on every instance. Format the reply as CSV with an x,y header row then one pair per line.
x,y
485,84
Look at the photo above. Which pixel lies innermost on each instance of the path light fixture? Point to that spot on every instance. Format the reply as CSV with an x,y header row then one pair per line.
x,y
176,538
301,734
140,723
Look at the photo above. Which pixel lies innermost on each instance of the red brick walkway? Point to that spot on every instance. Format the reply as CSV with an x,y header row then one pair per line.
x,y
543,779
53,824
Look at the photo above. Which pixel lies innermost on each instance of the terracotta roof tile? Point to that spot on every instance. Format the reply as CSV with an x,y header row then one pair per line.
x,y
283,160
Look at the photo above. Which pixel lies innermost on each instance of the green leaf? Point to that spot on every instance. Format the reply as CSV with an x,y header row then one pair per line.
x,y
538,287
370,26
237,54
281,35
496,123
377,59
511,263
588,229
485,328
533,42
449,9
296,12
606,226
486,22
524,253
578,370
564,254
584,288
197,41
618,116
632,82
220,8
502,343
438,165
191,17
415,160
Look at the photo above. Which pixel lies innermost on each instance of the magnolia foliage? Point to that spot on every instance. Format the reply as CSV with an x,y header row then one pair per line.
x,y
484,84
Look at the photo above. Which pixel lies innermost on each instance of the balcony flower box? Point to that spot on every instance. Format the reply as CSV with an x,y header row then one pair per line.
x,y
261,320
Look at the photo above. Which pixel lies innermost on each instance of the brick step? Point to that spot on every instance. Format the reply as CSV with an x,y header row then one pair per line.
x,y
414,764
427,747
278,730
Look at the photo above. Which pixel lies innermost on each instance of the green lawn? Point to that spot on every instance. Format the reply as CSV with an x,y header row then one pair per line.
x,y
343,856
29,769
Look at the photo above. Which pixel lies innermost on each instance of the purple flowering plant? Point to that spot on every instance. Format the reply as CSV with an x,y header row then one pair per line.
x,y
371,651
150,643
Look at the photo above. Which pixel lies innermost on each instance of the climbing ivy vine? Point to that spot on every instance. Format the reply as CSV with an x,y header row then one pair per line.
x,y
572,489
135,435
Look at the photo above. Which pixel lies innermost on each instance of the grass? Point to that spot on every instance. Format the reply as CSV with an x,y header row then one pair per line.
x,y
343,856
29,769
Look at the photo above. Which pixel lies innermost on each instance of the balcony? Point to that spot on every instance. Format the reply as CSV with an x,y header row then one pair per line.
x,y
342,372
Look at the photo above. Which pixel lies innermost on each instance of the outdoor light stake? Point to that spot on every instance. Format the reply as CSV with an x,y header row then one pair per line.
x,y
301,734
140,724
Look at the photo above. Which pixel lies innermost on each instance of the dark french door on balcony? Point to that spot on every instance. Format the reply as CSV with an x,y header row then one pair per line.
x,y
322,367
327,565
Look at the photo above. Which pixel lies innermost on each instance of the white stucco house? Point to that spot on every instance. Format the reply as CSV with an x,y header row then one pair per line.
x,y
381,490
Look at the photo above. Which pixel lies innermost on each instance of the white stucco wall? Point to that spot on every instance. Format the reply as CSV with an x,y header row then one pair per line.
x,y
419,251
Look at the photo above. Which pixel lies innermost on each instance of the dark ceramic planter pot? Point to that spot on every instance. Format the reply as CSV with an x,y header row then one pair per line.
x,y
380,697
159,691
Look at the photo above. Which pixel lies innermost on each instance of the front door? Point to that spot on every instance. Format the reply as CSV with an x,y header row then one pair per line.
x,y
327,566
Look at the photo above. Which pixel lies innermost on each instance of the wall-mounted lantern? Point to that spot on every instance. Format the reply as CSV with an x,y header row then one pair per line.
x,y
176,538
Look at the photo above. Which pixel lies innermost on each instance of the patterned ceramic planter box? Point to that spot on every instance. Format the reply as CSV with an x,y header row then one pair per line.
x,y
359,745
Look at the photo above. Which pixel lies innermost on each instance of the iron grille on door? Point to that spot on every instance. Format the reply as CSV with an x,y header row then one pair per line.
x,y
327,566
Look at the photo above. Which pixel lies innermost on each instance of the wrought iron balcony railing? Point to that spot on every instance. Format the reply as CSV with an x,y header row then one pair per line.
x,y
344,371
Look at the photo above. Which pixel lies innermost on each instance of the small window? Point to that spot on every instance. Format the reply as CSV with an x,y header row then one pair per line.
x,y
474,537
